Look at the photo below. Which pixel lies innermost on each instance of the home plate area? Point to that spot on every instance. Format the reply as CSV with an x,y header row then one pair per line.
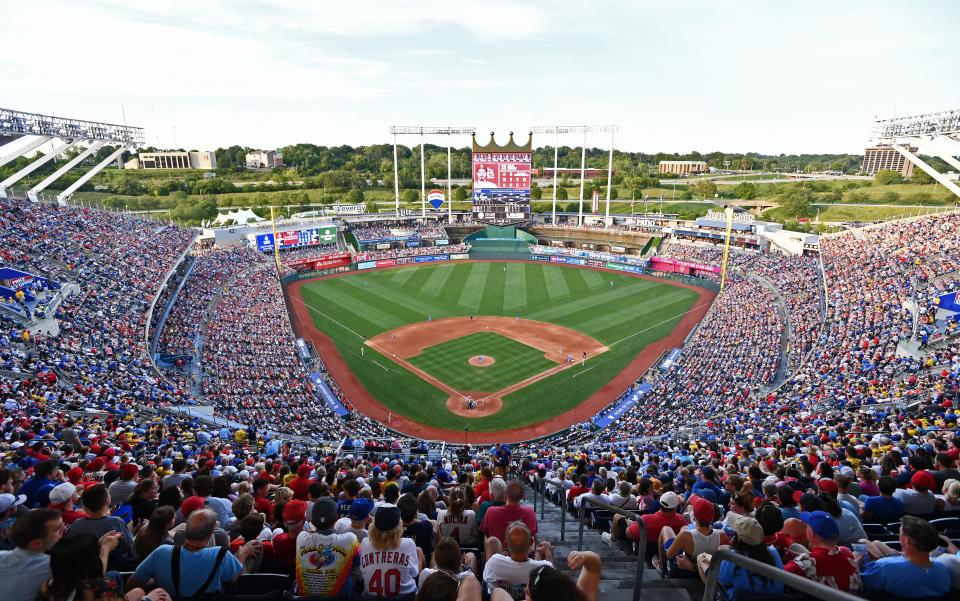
x,y
480,360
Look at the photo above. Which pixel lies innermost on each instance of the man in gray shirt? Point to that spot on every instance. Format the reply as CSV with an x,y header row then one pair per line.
x,y
96,506
174,479
24,569
121,489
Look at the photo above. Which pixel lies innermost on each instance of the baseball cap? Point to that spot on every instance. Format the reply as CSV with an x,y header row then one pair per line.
x,y
360,509
294,511
387,518
191,504
129,470
827,485
822,524
324,514
669,500
703,510
8,501
747,529
923,479
62,493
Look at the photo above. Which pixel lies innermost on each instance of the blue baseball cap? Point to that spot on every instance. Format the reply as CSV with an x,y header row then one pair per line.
x,y
360,509
822,524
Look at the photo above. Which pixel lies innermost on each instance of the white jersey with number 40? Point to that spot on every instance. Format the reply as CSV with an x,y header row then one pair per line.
x,y
389,573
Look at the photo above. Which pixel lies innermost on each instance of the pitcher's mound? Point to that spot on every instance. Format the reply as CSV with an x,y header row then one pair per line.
x,y
481,361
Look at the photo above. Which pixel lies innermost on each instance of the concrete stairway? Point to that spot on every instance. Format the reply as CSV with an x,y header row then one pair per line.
x,y
619,563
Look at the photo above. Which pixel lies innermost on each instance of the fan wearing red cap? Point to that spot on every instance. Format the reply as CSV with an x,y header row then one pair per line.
x,y
920,498
285,543
684,547
302,482
826,562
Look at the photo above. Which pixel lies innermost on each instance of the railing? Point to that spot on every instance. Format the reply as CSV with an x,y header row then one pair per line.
x,y
799,583
642,543
543,502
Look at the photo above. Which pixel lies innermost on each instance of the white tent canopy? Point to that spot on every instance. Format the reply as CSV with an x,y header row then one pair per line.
x,y
238,217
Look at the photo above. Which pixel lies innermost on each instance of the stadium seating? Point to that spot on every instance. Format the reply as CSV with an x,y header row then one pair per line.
x,y
792,383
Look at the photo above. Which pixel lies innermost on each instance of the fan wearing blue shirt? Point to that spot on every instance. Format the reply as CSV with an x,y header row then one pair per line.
x,y
199,569
884,509
912,574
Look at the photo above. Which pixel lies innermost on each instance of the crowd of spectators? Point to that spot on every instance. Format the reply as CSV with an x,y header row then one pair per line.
x,y
372,231
420,251
214,268
811,477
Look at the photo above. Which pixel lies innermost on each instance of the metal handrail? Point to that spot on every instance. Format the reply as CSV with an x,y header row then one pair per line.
x,y
799,583
642,543
563,503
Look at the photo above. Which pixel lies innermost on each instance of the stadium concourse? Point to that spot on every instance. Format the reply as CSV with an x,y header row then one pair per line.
x,y
796,434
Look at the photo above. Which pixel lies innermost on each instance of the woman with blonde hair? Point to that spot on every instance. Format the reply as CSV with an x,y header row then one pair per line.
x,y
951,496
389,563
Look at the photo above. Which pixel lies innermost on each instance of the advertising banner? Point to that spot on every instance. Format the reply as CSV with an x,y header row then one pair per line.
x,y
327,395
430,258
459,257
265,242
332,261
441,242
667,264
382,247
386,263
540,257
348,209
367,265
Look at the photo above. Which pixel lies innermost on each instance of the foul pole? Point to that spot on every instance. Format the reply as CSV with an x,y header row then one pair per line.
x,y
726,247
276,244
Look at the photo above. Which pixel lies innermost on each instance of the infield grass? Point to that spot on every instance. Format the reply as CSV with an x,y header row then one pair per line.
x,y
625,317
513,362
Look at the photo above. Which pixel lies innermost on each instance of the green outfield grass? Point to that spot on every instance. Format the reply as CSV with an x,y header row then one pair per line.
x,y
513,362
626,317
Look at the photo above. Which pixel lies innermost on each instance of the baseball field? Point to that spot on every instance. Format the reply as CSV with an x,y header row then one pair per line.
x,y
489,346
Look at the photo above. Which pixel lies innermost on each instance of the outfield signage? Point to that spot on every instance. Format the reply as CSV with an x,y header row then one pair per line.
x,y
325,262
459,257
623,267
501,182
540,257
366,265
667,264
441,242
314,236
568,260
430,258
348,209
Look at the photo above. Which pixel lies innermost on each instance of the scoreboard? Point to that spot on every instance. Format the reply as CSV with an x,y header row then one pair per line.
x,y
314,236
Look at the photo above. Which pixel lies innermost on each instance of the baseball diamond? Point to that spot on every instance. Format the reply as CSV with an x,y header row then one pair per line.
x,y
416,357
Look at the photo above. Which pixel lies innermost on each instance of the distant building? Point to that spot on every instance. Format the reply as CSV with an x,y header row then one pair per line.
x,y
876,158
264,159
683,167
173,160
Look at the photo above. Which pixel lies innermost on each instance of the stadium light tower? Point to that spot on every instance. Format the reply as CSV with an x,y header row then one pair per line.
x,y
38,129
556,130
937,134
422,131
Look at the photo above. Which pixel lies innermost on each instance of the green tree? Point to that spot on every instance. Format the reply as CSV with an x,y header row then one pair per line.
x,y
796,203
920,176
536,193
370,206
885,177
745,190
460,193
890,196
562,193
353,197
705,188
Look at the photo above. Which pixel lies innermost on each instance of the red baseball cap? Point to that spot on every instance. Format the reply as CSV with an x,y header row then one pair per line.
x,y
191,504
129,471
923,479
703,510
828,486
294,511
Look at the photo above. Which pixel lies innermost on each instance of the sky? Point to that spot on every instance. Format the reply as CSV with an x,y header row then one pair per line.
x,y
675,76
